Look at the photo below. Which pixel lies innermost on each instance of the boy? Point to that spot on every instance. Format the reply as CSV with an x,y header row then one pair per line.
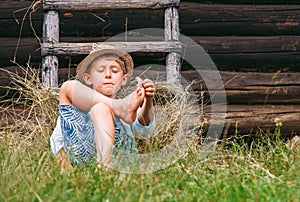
x,y
92,123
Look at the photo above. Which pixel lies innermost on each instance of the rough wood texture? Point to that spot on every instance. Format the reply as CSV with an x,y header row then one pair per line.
x,y
251,53
251,87
173,67
85,48
205,19
104,4
254,99
195,19
246,1
247,117
252,119
173,64
240,88
50,62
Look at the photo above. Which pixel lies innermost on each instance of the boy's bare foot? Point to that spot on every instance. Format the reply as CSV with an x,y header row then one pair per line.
x,y
127,107
63,162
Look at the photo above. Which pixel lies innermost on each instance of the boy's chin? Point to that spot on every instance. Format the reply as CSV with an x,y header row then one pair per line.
x,y
108,93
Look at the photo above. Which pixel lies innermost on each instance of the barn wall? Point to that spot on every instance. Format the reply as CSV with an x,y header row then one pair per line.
x,y
254,44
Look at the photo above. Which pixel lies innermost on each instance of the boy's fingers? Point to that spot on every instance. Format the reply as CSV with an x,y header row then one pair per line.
x,y
139,81
148,85
148,81
149,88
141,91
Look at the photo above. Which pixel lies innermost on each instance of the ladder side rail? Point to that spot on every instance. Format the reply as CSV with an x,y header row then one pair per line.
x,y
173,63
50,62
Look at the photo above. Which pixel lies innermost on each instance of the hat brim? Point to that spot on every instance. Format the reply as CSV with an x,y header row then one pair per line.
x,y
83,65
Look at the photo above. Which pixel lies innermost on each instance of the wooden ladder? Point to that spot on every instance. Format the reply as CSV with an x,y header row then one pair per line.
x,y
51,47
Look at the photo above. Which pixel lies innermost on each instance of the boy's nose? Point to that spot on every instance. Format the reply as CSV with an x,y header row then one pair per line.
x,y
107,72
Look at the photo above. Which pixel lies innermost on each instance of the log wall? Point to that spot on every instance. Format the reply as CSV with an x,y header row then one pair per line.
x,y
254,44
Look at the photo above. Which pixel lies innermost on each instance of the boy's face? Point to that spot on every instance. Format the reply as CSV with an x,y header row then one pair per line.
x,y
106,76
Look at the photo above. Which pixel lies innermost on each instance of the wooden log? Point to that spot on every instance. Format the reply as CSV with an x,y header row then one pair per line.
x,y
266,54
213,45
202,20
195,19
221,19
15,20
50,62
248,44
257,2
173,64
249,53
85,48
254,119
239,119
244,1
104,4
240,88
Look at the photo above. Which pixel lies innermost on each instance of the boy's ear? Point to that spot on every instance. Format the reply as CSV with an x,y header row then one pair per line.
x,y
125,79
86,78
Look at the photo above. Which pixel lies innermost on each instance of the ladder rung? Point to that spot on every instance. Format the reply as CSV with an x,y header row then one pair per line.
x,y
85,48
107,4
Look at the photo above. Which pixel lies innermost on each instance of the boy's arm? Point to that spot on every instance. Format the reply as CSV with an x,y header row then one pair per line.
x,y
143,131
145,121
145,114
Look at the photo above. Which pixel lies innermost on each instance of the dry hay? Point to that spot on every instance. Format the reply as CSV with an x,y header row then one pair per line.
x,y
177,114
33,110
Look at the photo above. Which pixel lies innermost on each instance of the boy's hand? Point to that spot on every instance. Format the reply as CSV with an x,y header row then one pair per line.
x,y
144,116
148,86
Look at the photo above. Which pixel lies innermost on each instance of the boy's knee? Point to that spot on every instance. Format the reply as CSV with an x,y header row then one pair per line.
x,y
65,92
101,108
67,85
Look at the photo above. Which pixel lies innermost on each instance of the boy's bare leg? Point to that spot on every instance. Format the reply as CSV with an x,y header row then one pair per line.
x,y
103,121
62,161
76,94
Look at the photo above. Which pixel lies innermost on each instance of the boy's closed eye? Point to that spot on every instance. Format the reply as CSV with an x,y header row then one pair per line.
x,y
115,69
100,69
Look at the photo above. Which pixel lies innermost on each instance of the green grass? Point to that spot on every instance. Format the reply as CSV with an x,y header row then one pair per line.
x,y
260,170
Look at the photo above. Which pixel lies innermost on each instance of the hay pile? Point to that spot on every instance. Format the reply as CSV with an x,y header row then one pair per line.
x,y
32,111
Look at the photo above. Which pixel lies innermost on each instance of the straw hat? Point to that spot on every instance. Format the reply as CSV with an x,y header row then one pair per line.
x,y
101,49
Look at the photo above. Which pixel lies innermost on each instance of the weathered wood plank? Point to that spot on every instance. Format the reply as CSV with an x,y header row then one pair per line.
x,y
250,87
241,88
212,44
248,44
85,48
173,64
222,19
251,119
50,62
195,19
230,53
240,119
104,4
257,2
